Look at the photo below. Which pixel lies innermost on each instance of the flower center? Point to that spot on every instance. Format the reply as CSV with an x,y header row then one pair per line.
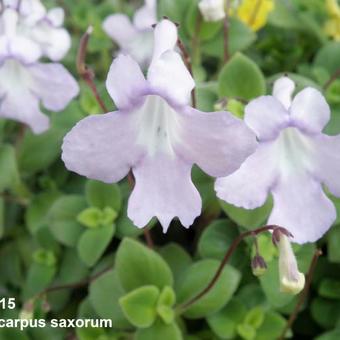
x,y
295,149
157,126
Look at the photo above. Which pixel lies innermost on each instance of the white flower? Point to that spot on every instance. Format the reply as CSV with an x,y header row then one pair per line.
x,y
212,10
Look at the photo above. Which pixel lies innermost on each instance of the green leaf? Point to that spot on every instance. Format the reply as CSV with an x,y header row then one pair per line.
x,y
271,327
333,248
197,278
104,294
37,212
94,217
241,78
240,38
38,278
331,335
165,302
328,57
93,243
207,30
63,219
102,195
330,288
177,259
217,238
139,306
270,284
246,331
2,217
255,317
325,312
159,331
8,168
46,148
249,219
138,266
225,321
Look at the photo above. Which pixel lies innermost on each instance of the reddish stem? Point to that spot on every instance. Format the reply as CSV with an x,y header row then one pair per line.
x,y
86,73
226,258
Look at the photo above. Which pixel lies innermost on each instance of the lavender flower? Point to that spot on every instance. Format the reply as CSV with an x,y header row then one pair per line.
x,y
134,38
26,34
294,158
158,135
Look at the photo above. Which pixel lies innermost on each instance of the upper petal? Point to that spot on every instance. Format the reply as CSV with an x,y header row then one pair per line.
x,y
53,84
249,186
102,147
327,162
119,28
170,78
310,110
283,90
55,41
163,189
266,116
216,141
301,206
125,82
145,17
165,38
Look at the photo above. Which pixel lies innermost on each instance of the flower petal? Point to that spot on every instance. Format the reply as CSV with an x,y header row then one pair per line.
x,y
327,155
310,110
125,82
169,77
249,186
266,116
24,107
119,28
283,90
216,141
102,147
165,38
301,206
145,17
55,41
53,84
163,189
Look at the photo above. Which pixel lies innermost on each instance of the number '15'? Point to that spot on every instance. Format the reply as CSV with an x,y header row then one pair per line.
x,y
7,303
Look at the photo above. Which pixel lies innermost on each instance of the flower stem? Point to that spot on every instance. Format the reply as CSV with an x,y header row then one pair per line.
x,y
74,285
187,61
226,25
332,79
303,295
226,258
83,70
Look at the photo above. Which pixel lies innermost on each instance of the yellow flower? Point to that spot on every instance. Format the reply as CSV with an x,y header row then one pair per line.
x,y
254,13
332,26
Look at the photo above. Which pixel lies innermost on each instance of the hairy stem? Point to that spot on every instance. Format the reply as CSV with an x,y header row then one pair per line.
x,y
87,74
304,293
188,64
226,25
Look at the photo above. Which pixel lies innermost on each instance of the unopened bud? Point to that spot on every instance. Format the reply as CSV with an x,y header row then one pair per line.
x,y
27,311
258,265
291,280
212,10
